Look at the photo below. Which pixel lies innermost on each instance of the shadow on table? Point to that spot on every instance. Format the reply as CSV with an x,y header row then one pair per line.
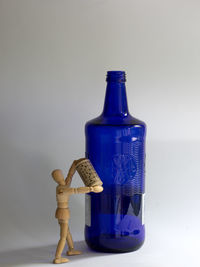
x,y
43,255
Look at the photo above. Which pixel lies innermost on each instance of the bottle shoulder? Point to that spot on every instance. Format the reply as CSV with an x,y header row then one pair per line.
x,y
117,130
115,121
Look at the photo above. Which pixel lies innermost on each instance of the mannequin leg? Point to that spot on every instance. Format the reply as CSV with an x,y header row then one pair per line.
x,y
70,243
61,243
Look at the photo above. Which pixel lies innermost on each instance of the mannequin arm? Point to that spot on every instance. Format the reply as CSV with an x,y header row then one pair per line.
x,y
83,190
74,190
71,172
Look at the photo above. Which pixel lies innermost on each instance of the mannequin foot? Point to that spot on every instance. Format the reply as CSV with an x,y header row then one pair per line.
x,y
60,260
73,252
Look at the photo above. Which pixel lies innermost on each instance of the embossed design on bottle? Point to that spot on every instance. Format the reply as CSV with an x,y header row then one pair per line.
x,y
124,168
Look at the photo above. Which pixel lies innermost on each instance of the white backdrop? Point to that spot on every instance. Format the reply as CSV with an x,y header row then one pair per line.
x,y
53,60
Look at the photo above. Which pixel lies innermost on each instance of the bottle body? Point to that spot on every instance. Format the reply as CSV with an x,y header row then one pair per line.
x,y
116,147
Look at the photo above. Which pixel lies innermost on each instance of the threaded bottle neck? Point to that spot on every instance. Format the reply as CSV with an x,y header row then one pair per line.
x,y
116,76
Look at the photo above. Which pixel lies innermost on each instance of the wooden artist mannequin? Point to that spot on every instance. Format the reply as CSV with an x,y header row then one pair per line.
x,y
63,192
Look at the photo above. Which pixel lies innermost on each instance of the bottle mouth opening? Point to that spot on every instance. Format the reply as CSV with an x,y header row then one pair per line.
x,y
116,76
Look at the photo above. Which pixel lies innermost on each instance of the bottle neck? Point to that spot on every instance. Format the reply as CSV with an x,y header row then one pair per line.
x,y
115,100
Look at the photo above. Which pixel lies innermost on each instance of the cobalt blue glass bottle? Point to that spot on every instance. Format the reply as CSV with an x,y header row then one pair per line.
x,y
115,144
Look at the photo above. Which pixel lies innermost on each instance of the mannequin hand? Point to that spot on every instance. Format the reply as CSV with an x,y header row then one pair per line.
x,y
97,189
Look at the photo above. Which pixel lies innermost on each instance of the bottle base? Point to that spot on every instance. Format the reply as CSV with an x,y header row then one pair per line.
x,y
109,245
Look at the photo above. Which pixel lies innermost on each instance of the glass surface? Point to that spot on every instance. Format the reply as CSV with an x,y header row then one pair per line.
x,y
115,144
